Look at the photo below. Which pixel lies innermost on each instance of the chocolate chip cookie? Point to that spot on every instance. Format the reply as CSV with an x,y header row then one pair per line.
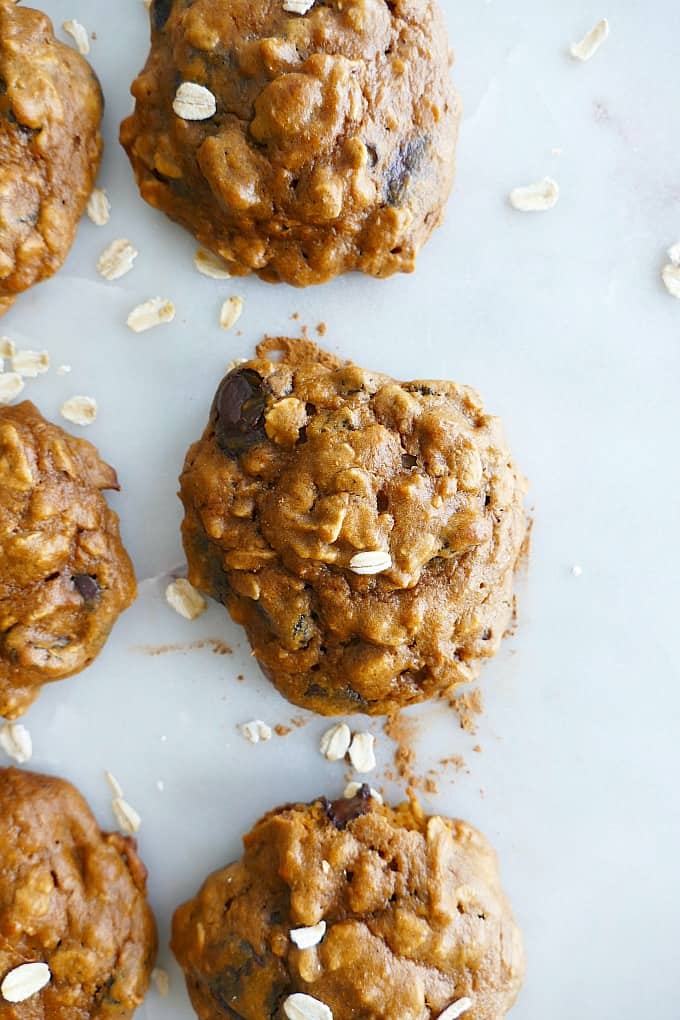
x,y
77,937
352,909
298,140
50,147
64,574
364,531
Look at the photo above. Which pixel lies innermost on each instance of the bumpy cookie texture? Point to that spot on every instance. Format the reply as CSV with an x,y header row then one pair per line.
x,y
307,462
50,147
332,145
64,574
71,897
415,918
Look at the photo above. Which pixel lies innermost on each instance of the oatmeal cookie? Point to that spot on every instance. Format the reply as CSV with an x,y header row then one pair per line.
x,y
325,140
73,898
64,574
50,147
364,531
371,911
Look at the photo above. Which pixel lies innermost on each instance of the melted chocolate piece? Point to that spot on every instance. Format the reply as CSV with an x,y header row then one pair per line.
x,y
161,12
405,164
239,411
87,588
344,810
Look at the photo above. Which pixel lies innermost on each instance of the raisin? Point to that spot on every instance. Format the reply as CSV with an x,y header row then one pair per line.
x,y
239,411
343,811
87,588
406,162
161,11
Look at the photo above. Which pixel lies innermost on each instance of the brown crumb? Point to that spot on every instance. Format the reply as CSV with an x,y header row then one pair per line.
x,y
477,748
403,731
281,730
467,706
430,785
216,645
295,315
240,678
457,760
298,721
322,329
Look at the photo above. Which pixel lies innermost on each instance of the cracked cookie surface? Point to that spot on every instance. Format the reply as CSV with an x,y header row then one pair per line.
x,y
415,918
71,897
64,574
50,147
307,464
332,144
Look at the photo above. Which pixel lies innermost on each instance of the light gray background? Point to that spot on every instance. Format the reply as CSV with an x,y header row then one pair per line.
x,y
561,321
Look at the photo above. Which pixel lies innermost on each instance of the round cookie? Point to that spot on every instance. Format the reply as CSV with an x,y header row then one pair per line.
x,y
411,917
325,140
50,147
364,531
64,574
73,898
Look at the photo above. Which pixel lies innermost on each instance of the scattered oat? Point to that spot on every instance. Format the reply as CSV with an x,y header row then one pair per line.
x,y
670,275
352,789
16,742
673,255
7,347
335,742
304,1007
257,732
210,264
117,259
577,570
25,981
99,207
591,42
126,816
185,599
63,370
362,753
79,35
536,197
80,410
297,6
154,312
194,102
161,979
373,561
30,364
114,786
306,938
456,1009
11,385
231,312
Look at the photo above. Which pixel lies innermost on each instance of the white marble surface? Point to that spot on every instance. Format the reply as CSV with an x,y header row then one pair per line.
x,y
561,321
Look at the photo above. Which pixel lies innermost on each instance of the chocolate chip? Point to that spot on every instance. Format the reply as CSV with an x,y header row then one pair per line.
x,y
239,411
408,460
346,809
87,587
161,12
406,162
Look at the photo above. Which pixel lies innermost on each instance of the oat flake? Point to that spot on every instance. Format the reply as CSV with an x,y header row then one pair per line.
x,y
161,979
194,102
304,1007
373,561
538,197
126,816
297,6
306,938
231,312
256,731
114,786
16,742
209,264
80,410
117,259
670,275
185,599
99,207
7,347
11,385
25,981
334,743
79,35
154,312
361,752
673,255
30,364
456,1009
591,42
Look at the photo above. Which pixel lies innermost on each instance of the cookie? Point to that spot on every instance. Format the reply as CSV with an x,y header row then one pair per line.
x,y
364,531
64,574
298,145
352,909
50,147
72,901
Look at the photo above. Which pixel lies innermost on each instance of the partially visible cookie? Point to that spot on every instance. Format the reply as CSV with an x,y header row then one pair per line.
x,y
50,147
352,909
73,901
64,574
364,531
298,140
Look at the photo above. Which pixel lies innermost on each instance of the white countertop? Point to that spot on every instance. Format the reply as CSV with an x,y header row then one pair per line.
x,y
561,321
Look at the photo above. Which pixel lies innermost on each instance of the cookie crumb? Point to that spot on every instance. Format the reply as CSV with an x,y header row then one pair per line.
x,y
361,752
467,706
117,259
30,364
322,329
80,410
185,599
536,197
588,46
99,207
79,35
335,742
154,312
280,730
194,102
231,312
256,731
25,981
16,742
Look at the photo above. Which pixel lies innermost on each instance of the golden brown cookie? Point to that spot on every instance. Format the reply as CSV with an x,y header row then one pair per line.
x,y
352,909
72,898
50,147
64,574
364,531
325,142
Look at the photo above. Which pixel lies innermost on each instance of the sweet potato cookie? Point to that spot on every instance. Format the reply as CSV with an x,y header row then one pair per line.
x,y
364,531
77,937
64,574
352,909
298,144
50,147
